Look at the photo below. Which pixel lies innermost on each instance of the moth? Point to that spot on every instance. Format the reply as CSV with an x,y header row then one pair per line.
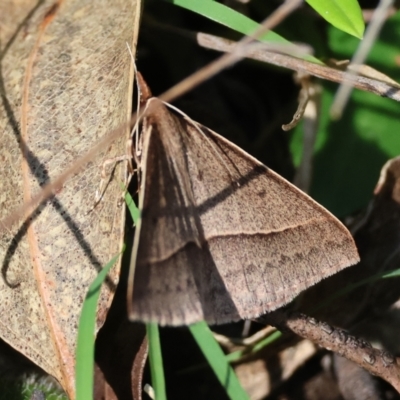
x,y
221,237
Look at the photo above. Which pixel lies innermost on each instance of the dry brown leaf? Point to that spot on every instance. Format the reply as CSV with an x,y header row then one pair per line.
x,y
65,81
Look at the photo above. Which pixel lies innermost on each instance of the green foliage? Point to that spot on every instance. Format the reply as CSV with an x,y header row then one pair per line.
x,y
232,19
217,360
23,387
156,362
132,208
345,15
84,370
350,153
237,355
228,17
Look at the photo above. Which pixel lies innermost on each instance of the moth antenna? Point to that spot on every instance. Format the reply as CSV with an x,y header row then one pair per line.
x,y
143,95
135,129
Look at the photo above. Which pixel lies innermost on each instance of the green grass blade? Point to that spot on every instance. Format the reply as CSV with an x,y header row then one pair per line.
x,y
84,371
217,360
345,15
389,274
237,355
232,19
381,275
156,362
228,17
132,207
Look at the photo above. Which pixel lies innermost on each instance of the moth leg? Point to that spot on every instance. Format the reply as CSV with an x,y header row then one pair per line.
x,y
246,328
247,343
135,148
105,176
132,154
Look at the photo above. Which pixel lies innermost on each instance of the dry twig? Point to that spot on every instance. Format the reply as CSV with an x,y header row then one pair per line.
x,y
377,362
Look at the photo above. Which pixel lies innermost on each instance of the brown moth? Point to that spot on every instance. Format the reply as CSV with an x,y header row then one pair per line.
x,y
221,237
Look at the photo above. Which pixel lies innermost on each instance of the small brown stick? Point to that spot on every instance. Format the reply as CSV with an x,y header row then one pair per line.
x,y
368,13
322,71
377,362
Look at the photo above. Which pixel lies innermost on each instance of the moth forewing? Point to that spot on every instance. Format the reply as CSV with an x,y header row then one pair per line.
x,y
221,236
